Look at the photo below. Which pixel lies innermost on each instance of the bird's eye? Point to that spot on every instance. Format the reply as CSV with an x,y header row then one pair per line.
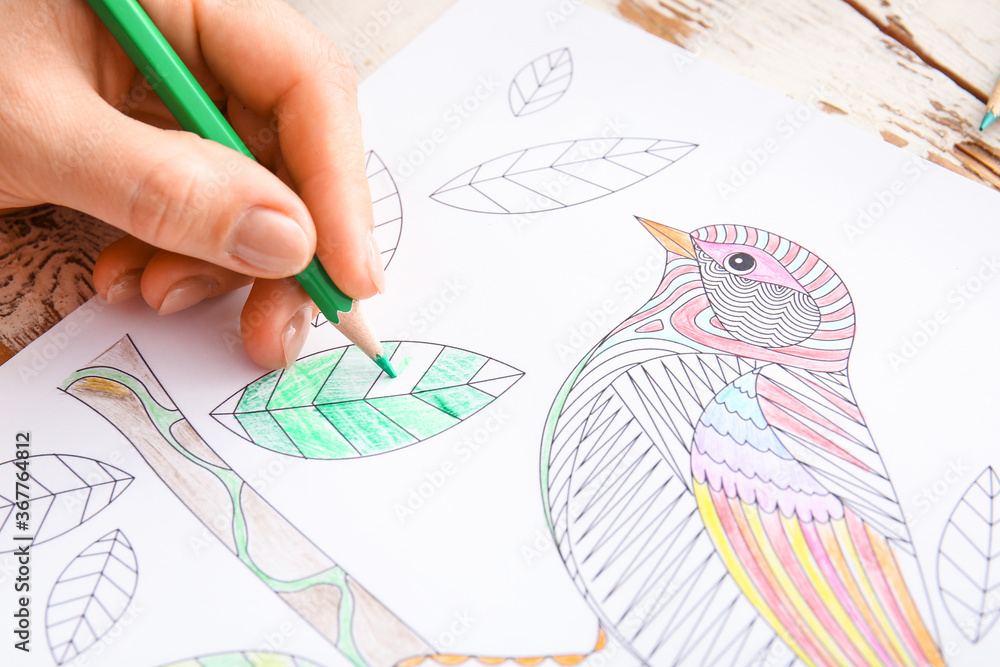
x,y
740,263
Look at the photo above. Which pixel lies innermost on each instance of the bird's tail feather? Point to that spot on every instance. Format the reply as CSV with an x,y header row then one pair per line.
x,y
832,590
472,660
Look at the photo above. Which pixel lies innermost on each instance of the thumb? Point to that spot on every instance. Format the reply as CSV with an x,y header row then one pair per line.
x,y
177,192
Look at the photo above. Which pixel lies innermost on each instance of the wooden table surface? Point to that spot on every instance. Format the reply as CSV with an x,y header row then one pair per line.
x,y
915,72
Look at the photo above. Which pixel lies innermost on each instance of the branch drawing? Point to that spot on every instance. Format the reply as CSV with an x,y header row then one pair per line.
x,y
90,595
121,387
545,178
541,83
66,491
969,550
337,404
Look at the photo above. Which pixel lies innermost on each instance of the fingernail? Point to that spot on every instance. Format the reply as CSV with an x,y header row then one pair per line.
x,y
185,293
269,241
375,269
125,287
294,336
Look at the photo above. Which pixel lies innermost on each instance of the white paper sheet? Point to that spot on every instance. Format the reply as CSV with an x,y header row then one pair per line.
x,y
450,533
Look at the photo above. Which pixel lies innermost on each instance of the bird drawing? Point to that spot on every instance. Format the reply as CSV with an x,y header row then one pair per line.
x,y
710,481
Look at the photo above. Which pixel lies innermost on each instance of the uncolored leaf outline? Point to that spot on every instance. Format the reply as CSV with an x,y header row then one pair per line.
x,y
314,434
627,160
123,584
541,83
388,208
247,659
954,564
45,489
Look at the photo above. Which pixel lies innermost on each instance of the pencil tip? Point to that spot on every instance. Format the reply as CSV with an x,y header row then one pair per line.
x,y
385,365
987,120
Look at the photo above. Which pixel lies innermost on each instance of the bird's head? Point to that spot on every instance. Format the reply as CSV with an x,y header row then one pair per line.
x,y
744,291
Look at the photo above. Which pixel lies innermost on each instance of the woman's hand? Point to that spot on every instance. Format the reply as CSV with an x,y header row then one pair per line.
x,y
80,127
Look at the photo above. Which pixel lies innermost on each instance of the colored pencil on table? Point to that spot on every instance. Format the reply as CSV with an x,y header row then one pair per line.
x,y
992,107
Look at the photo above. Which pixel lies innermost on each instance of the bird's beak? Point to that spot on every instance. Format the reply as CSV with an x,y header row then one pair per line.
x,y
673,240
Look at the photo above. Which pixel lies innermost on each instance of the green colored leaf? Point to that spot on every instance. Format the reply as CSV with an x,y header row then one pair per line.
x,y
337,404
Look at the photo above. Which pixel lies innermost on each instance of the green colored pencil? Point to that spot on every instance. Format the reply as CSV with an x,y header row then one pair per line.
x,y
194,110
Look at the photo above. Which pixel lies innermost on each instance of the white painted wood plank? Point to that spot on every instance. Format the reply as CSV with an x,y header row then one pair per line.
x,y
371,31
963,35
825,53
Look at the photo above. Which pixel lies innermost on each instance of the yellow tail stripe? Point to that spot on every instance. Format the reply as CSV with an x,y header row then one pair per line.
x,y
832,548
895,578
714,527
752,516
851,555
822,586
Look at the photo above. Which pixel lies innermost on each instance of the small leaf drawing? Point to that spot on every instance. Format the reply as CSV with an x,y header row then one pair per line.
x,y
541,83
969,558
557,175
90,595
245,659
65,491
388,212
337,404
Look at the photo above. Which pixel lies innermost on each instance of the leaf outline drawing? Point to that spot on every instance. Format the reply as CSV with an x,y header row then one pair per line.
x,y
541,83
78,482
245,659
969,558
560,174
337,404
94,590
388,210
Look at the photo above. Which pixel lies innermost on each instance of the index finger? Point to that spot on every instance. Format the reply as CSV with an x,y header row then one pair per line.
x,y
277,64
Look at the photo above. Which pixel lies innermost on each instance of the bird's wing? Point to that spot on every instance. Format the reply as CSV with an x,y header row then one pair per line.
x,y
831,583
817,420
626,524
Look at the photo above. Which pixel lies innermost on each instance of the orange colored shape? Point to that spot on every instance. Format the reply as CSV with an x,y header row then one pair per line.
x,y
492,661
411,662
602,640
447,659
569,659
674,240
528,661
895,578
